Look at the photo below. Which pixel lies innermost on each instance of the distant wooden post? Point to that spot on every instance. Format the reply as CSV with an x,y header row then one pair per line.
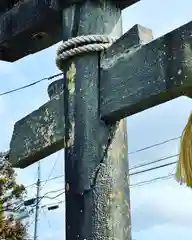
x,y
97,182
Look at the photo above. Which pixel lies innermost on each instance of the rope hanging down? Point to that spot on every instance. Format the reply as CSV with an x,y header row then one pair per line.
x,y
82,44
184,165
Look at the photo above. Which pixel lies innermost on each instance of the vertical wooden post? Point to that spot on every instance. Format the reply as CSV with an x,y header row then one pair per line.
x,y
96,167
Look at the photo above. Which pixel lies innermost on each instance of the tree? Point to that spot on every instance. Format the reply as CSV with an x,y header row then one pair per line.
x,y
10,191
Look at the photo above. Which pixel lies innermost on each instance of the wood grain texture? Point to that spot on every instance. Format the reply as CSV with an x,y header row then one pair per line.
x,y
142,77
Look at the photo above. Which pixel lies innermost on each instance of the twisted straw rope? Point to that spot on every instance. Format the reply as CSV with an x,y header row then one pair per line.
x,y
81,44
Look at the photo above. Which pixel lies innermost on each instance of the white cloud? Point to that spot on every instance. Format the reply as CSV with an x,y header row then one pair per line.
x,y
159,203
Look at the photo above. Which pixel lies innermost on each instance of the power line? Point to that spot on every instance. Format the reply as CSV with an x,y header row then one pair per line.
x,y
139,184
6,208
137,166
20,204
132,185
54,191
54,165
56,177
30,85
154,168
154,145
152,162
134,173
51,179
23,87
44,196
56,195
134,167
130,153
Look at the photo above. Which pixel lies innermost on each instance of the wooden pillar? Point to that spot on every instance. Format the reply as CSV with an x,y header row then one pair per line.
x,y
96,166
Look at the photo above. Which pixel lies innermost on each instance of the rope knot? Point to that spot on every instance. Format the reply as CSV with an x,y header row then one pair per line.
x,y
81,44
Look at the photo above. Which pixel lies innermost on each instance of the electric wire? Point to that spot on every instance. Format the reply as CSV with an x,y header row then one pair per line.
x,y
154,145
16,208
58,195
131,185
51,179
134,167
152,162
44,196
30,85
154,168
54,165
142,183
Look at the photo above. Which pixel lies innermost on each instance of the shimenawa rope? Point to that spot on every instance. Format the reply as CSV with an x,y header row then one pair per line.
x,y
82,44
184,165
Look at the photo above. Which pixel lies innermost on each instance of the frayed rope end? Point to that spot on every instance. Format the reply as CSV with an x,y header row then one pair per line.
x,y
184,165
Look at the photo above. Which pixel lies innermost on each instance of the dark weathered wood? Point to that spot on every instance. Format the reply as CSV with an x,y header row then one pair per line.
x,y
142,77
22,24
97,187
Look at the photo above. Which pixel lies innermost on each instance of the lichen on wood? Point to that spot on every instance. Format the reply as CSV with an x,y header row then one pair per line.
x,y
97,170
71,74
147,75
39,134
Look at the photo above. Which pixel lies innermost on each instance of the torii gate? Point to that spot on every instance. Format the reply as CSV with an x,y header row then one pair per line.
x,y
133,74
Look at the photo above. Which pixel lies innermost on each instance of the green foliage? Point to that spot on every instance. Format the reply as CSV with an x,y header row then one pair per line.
x,y
10,191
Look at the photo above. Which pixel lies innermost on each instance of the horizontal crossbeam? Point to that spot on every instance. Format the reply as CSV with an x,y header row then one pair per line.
x,y
28,27
8,4
39,134
31,26
145,76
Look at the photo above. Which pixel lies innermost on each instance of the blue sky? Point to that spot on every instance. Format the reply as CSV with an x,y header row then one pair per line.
x,y
160,210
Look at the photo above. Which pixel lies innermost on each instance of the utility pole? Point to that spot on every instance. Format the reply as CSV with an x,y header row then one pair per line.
x,y
37,201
